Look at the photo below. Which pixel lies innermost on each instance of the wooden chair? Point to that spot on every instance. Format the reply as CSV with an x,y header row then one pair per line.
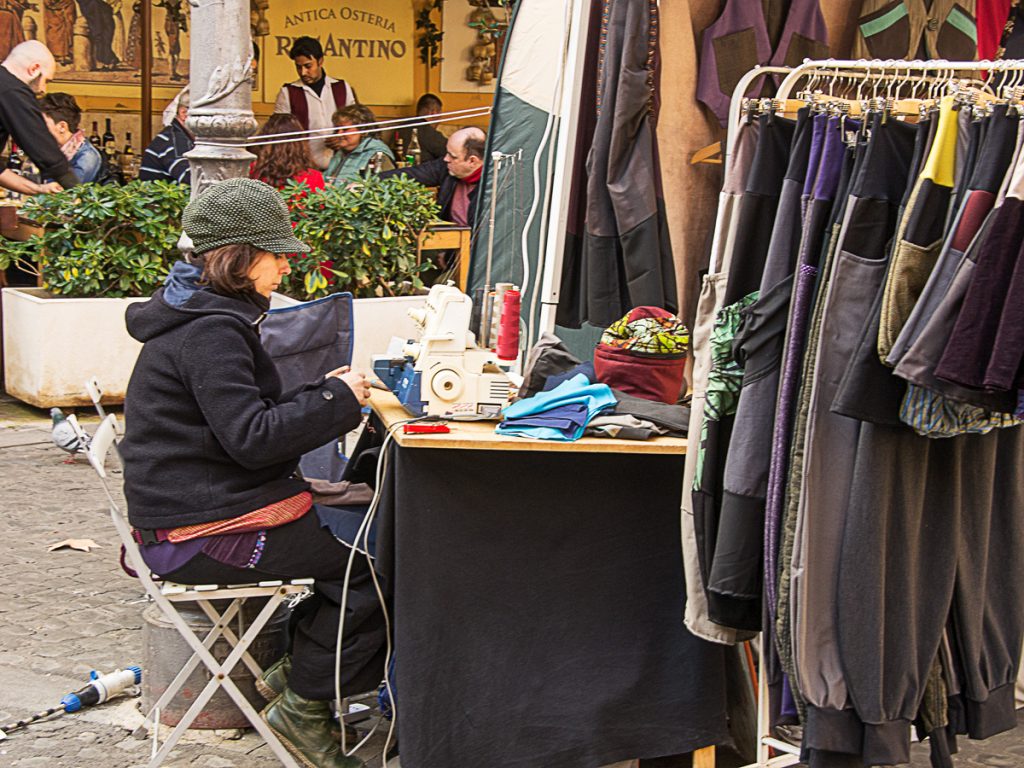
x,y
167,595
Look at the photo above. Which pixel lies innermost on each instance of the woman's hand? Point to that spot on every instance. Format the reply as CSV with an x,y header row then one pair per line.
x,y
356,381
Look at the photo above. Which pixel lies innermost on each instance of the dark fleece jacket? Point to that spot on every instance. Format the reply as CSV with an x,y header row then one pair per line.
x,y
210,435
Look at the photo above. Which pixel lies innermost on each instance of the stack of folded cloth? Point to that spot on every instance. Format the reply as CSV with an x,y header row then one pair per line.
x,y
560,414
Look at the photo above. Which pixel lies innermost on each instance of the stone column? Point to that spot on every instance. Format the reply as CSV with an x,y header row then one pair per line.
x,y
221,99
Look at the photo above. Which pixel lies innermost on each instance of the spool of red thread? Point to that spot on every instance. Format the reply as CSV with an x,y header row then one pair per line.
x,y
508,331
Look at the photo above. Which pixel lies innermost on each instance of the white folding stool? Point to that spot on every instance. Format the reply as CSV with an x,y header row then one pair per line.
x,y
166,594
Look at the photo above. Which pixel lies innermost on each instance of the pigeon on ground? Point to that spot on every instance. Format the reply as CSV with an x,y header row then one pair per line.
x,y
66,433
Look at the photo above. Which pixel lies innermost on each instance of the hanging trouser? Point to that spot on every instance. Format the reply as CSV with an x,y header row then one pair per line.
x,y
990,167
988,597
734,604
918,363
920,234
852,164
795,450
968,352
830,439
932,525
746,465
759,205
696,616
868,391
816,221
865,389
970,136
761,347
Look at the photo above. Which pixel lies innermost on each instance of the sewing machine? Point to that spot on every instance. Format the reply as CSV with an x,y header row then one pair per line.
x,y
445,373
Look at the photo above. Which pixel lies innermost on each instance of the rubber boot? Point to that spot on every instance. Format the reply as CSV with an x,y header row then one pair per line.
x,y
304,727
274,678
272,683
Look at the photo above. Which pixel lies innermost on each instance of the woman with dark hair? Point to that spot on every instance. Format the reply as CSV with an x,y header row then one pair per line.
x,y
277,164
211,452
356,147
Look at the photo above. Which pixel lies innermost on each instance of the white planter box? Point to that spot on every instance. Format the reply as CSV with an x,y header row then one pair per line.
x,y
53,345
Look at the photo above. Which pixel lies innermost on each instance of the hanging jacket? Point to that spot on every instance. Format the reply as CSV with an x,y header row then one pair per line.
x,y
747,34
912,30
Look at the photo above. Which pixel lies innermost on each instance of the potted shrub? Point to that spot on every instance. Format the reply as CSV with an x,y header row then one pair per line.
x,y
364,241
101,248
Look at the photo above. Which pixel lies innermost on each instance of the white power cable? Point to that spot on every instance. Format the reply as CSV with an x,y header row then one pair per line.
x,y
364,533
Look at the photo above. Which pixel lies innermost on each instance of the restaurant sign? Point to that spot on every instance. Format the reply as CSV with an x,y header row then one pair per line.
x,y
368,43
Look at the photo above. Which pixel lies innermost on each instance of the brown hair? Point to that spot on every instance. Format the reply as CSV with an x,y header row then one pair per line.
x,y
276,164
62,106
355,114
226,269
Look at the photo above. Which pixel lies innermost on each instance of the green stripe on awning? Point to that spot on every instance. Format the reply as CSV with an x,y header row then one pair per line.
x,y
963,22
884,21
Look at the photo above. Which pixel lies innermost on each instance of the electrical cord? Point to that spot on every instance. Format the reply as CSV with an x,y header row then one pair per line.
x,y
364,533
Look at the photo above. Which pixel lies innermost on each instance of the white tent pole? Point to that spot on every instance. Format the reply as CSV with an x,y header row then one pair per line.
x,y
565,158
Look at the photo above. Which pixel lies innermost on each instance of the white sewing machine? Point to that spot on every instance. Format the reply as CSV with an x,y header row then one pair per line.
x,y
456,377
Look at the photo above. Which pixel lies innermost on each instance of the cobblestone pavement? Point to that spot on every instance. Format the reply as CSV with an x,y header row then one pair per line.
x,y
67,612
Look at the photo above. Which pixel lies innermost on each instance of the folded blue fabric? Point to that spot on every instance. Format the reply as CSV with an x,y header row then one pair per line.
x,y
565,418
548,412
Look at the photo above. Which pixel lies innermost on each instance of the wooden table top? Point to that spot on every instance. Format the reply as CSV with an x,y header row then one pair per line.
x,y
480,436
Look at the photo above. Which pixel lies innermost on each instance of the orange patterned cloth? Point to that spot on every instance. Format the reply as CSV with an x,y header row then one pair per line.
x,y
270,516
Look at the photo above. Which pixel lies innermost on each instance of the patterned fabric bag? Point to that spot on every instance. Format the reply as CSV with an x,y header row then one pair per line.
x,y
644,354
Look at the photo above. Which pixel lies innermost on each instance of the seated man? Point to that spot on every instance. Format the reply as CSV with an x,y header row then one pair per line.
x,y
164,158
432,141
63,117
456,175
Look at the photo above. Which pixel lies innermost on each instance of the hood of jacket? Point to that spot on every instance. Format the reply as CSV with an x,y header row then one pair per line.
x,y
182,300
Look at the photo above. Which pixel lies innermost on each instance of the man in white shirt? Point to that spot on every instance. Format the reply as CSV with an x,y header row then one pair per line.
x,y
314,97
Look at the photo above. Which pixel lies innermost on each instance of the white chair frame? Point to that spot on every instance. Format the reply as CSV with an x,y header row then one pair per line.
x,y
166,594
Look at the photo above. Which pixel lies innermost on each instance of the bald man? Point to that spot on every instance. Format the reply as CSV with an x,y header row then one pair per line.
x,y
456,175
23,74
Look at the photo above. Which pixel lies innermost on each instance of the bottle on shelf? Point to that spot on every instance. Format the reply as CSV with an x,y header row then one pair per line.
x,y
16,160
94,137
109,143
30,171
128,164
399,146
414,147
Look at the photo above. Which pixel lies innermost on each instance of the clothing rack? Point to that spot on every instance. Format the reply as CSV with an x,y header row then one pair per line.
x,y
890,71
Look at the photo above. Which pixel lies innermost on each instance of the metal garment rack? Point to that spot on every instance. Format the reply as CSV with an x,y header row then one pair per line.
x,y
825,68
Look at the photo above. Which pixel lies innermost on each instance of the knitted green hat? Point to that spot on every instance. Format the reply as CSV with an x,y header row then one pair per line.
x,y
240,211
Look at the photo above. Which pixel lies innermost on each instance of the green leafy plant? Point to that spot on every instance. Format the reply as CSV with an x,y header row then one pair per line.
x,y
429,39
102,240
363,237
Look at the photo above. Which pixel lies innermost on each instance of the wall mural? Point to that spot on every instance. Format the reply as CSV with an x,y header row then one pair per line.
x,y
101,40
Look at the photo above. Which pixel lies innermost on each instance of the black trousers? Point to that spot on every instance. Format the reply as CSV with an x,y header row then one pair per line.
x,y
305,549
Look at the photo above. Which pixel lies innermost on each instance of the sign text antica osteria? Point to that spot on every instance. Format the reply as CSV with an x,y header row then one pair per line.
x,y
344,46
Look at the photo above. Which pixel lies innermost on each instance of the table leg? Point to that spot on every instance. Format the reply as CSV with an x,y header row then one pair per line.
x,y
464,243
704,758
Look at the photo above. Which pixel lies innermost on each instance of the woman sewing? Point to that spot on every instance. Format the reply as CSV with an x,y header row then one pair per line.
x,y
212,448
